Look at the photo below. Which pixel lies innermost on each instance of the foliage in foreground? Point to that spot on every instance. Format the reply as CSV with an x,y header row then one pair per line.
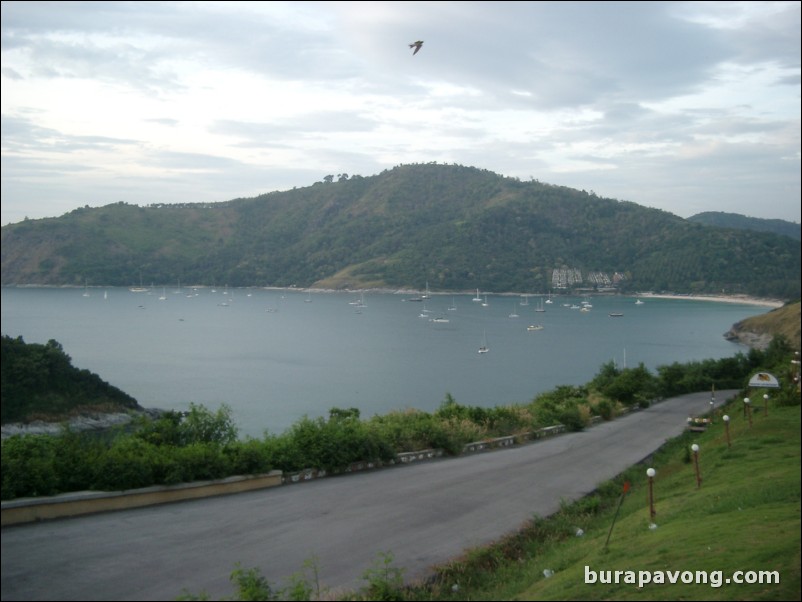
x,y
202,444
744,517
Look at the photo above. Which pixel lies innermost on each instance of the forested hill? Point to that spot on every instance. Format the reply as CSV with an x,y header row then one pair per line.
x,y
453,227
40,382
742,222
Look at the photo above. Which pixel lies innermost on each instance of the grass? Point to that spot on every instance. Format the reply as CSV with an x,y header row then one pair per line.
x,y
745,516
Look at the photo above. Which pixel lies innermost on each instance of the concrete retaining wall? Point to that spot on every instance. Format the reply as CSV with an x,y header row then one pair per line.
x,y
27,510
87,502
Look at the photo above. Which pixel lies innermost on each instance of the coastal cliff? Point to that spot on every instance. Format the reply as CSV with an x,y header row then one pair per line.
x,y
758,331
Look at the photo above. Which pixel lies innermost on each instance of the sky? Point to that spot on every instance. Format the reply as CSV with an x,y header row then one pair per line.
x,y
681,106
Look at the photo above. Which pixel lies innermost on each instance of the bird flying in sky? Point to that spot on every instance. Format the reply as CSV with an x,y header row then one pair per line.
x,y
416,46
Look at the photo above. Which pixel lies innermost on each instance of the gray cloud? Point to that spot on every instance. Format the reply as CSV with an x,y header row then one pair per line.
x,y
627,99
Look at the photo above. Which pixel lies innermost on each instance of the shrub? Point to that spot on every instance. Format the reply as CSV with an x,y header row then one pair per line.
x,y
128,464
28,466
605,409
248,457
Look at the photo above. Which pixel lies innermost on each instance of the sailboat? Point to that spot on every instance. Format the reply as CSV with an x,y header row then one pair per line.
x,y
141,288
477,298
453,305
540,307
484,348
514,313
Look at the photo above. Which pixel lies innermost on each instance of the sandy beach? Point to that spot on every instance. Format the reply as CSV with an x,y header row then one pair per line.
x,y
743,299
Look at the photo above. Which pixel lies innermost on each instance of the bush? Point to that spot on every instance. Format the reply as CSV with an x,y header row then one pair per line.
x,y
248,457
28,466
128,464
605,409
571,417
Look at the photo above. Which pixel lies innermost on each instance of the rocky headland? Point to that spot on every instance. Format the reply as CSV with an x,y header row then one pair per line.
x,y
85,421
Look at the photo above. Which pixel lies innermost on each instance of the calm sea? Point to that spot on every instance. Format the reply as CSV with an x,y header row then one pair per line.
x,y
275,356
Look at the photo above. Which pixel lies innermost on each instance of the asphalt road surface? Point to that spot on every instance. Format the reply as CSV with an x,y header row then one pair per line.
x,y
423,514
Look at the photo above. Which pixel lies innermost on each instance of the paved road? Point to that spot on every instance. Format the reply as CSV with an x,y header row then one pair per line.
x,y
423,514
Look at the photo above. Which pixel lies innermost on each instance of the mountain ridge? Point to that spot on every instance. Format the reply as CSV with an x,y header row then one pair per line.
x,y
736,221
455,227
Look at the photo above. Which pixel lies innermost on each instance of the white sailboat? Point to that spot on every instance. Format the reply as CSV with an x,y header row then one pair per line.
x,y
484,348
477,298
141,288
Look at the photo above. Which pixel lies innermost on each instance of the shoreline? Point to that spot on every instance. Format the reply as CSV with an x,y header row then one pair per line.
x,y
738,299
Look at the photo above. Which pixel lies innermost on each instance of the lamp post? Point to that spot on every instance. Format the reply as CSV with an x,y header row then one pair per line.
x,y
695,450
650,472
712,401
726,420
748,410
765,404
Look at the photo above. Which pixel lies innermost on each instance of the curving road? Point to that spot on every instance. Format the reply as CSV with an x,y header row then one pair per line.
x,y
422,514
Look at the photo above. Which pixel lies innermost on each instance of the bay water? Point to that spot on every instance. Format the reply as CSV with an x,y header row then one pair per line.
x,y
275,356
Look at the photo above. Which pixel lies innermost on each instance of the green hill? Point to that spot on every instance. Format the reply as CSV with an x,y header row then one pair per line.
x,y
741,222
40,382
455,227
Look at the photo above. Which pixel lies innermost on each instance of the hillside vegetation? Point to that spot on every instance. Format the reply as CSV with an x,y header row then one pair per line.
x,y
453,227
200,444
741,222
40,382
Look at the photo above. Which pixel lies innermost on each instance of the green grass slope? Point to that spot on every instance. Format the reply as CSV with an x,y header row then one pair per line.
x,y
742,523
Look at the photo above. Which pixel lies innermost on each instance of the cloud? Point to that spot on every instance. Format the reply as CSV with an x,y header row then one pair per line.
x,y
667,104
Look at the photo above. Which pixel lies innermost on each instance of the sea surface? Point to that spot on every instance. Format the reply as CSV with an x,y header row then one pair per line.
x,y
275,356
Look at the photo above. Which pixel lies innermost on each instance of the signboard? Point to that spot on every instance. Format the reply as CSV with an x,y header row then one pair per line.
x,y
764,380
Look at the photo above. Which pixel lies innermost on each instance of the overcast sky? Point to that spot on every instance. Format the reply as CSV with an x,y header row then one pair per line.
x,y
683,106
